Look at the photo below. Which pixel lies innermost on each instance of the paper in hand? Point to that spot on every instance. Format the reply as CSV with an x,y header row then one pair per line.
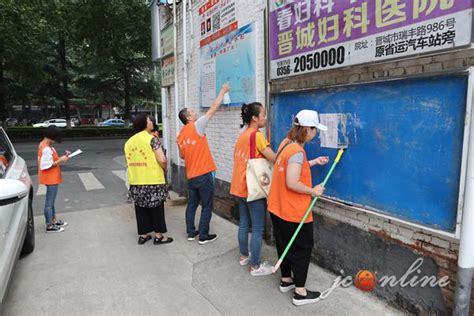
x,y
77,152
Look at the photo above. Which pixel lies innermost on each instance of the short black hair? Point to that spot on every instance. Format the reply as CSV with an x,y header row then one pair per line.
x,y
53,133
183,116
140,122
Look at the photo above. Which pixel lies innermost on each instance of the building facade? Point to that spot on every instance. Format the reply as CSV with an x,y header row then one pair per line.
x,y
397,72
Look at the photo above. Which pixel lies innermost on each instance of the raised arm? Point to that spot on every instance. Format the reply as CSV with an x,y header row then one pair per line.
x,y
218,101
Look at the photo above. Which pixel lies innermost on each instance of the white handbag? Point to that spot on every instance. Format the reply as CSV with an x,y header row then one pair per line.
x,y
258,173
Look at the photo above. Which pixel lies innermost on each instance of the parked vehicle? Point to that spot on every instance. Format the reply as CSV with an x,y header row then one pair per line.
x,y
32,122
113,123
53,122
17,229
10,122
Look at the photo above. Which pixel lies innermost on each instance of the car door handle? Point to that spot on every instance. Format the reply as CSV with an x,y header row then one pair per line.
x,y
12,200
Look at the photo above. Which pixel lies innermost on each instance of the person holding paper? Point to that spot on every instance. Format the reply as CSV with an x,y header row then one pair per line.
x,y
200,166
49,174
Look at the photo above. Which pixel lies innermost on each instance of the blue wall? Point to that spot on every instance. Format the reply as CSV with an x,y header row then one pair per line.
x,y
405,160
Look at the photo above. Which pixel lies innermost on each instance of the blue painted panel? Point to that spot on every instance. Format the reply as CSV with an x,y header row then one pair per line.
x,y
406,160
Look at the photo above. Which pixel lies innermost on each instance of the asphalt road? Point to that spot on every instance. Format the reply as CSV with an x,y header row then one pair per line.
x,y
92,180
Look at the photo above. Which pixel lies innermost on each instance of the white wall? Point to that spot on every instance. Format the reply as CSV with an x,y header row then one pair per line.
x,y
224,129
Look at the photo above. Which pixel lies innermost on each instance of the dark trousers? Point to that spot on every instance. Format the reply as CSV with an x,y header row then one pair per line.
x,y
298,257
200,190
150,219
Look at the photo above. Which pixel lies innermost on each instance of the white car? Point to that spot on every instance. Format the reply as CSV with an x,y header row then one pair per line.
x,y
53,122
17,229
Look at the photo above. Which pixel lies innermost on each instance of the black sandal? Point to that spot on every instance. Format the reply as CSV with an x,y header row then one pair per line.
x,y
142,240
159,241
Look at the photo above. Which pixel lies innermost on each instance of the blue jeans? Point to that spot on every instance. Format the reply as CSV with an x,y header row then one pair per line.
x,y
49,210
252,213
200,190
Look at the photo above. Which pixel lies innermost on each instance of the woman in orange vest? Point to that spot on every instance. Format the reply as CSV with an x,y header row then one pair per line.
x,y
251,144
146,163
49,174
289,198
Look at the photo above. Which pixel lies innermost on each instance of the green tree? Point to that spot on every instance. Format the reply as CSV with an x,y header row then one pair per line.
x,y
118,37
60,47
95,52
21,34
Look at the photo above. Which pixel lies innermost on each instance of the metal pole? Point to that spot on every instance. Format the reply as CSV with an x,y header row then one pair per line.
x,y
462,298
156,27
185,53
176,95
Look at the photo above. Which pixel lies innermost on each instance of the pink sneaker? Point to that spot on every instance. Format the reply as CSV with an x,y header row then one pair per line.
x,y
263,269
243,260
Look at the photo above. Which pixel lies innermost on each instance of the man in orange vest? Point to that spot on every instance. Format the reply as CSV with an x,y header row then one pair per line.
x,y
199,165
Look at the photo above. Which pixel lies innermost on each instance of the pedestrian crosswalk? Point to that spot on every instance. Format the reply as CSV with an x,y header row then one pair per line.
x,y
89,181
122,174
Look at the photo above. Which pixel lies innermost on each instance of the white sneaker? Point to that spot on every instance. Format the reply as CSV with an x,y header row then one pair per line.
x,y
54,229
263,269
244,260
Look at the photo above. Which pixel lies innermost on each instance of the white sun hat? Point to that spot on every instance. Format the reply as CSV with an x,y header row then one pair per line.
x,y
309,118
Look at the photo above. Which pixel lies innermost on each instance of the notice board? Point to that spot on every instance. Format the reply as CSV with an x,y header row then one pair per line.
x,y
406,155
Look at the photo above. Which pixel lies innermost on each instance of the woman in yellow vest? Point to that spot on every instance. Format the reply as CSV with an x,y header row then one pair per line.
x,y
289,198
146,163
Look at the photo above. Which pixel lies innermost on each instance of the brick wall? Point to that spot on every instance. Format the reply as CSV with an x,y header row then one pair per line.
x,y
223,130
441,248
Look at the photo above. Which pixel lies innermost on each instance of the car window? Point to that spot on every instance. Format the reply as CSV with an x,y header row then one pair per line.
x,y
51,121
6,155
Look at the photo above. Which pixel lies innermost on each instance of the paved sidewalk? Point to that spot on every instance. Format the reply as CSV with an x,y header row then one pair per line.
x,y
96,267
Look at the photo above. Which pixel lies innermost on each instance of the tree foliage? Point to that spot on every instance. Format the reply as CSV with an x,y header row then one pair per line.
x,y
76,52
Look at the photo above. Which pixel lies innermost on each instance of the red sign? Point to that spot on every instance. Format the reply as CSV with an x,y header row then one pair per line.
x,y
224,31
209,4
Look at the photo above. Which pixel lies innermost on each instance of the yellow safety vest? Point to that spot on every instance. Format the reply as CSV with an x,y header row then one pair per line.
x,y
143,169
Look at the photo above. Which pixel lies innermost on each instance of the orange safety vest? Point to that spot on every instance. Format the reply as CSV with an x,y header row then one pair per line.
x,y
283,202
238,186
52,175
195,149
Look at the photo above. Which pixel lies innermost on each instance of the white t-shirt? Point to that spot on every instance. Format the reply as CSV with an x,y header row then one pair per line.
x,y
46,161
201,124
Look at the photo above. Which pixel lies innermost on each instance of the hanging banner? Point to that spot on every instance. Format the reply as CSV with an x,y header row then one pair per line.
x,y
167,37
167,71
230,58
314,35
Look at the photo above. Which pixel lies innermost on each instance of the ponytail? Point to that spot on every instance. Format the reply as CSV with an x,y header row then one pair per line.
x,y
248,111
